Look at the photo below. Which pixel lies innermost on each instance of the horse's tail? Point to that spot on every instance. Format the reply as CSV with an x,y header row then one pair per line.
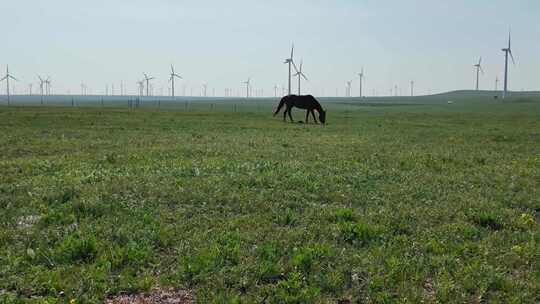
x,y
281,103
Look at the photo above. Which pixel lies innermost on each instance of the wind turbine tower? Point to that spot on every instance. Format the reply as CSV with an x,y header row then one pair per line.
x,y
412,88
48,86
248,86
6,78
507,51
141,87
300,75
290,62
147,79
478,70
361,76
173,75
205,87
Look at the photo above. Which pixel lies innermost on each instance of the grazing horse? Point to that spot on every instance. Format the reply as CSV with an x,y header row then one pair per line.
x,y
307,102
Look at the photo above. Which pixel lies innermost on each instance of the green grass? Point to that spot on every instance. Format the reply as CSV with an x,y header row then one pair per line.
x,y
431,202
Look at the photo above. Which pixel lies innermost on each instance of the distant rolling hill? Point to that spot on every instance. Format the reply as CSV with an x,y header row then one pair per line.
x,y
460,96
453,96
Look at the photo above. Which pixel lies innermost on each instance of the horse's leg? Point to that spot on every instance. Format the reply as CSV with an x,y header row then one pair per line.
x,y
290,115
307,117
314,118
285,115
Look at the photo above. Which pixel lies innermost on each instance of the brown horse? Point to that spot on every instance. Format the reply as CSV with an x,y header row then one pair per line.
x,y
307,102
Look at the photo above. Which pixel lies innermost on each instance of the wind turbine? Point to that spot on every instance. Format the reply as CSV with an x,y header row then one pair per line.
x,y
507,51
275,90
141,87
41,83
300,75
48,86
205,87
349,84
6,78
412,88
478,70
290,62
496,83
248,86
171,79
361,76
147,79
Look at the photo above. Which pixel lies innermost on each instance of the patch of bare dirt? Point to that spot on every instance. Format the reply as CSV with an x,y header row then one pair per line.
x,y
156,296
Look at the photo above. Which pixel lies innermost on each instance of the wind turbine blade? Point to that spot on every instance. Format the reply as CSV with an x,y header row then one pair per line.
x,y
292,51
3,78
13,78
512,56
294,65
304,76
480,61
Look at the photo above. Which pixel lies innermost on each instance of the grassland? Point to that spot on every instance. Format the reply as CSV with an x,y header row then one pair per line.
x,y
387,203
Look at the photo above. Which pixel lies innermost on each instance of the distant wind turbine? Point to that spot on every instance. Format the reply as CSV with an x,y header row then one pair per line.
x,y
290,62
496,83
507,51
300,75
141,87
48,85
349,85
479,69
248,86
171,79
83,89
205,87
412,88
361,76
6,78
41,83
147,79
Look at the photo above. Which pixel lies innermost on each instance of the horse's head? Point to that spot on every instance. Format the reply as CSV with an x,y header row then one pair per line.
x,y
322,116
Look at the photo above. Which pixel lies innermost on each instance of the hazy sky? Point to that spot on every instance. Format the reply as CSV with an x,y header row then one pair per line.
x,y
221,43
